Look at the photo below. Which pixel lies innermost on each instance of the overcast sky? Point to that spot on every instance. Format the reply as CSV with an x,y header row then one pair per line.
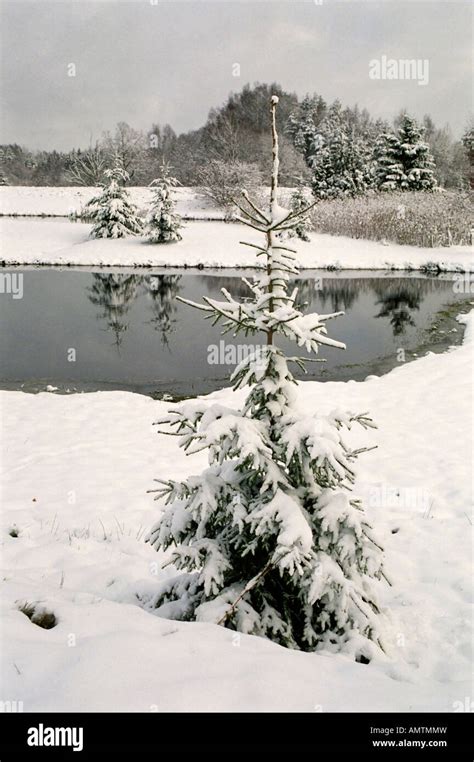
x,y
145,61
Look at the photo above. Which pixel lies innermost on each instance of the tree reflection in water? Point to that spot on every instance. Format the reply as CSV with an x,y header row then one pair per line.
x,y
399,299
163,290
114,293
341,293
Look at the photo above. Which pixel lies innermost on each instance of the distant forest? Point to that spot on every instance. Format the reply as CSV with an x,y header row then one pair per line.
x,y
235,133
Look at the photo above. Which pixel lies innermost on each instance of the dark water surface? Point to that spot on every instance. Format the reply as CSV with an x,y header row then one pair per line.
x,y
126,330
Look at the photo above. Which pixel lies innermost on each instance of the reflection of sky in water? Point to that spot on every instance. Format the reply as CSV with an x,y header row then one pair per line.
x,y
129,331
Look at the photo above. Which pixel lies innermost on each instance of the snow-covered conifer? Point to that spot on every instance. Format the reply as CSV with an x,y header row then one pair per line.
x,y
298,203
341,161
389,169
404,160
418,163
112,213
268,539
163,223
303,124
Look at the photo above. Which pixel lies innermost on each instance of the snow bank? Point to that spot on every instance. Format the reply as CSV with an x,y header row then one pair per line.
x,y
207,244
75,509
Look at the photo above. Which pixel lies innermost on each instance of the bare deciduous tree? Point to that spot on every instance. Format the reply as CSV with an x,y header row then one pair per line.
x,y
88,167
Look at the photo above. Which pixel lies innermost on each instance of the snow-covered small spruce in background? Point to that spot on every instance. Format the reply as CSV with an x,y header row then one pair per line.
x,y
112,213
298,204
163,223
268,539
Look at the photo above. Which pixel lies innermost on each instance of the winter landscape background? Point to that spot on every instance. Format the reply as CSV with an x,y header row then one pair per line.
x,y
129,131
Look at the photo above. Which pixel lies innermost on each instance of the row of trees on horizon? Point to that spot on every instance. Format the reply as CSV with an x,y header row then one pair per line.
x,y
318,141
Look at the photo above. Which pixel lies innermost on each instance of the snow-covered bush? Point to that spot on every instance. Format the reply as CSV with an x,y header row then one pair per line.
x,y
112,213
163,223
222,181
268,539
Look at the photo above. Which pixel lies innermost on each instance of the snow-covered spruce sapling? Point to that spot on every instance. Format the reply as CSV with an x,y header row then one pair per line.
x,y
112,213
268,539
163,223
298,204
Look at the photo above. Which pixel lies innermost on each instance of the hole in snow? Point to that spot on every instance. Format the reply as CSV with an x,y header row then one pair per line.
x,y
361,659
14,531
395,530
39,615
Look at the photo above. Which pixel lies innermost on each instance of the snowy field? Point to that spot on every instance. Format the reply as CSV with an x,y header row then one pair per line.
x,y
65,201
75,473
206,244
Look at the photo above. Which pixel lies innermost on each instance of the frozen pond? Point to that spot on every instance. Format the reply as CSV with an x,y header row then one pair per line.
x,y
85,330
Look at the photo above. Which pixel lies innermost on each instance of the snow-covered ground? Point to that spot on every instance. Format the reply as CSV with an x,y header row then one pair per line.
x,y
65,201
206,244
75,470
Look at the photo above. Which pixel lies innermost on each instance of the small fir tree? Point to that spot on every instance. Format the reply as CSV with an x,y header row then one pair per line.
x,y
112,213
268,539
163,223
298,205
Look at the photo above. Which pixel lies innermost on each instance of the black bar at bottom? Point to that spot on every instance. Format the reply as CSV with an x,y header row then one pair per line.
x,y
82,735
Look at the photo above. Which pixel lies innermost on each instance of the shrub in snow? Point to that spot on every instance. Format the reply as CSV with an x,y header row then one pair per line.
x,y
163,223
38,614
222,181
112,213
268,539
404,161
